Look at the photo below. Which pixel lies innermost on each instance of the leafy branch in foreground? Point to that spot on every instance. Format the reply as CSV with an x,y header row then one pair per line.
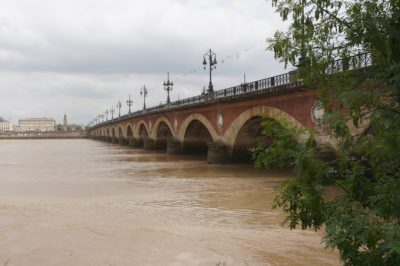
x,y
363,223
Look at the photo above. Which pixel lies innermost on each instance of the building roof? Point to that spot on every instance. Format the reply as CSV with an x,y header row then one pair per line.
x,y
37,119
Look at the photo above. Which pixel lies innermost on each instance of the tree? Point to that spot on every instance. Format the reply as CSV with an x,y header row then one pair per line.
x,y
60,127
364,222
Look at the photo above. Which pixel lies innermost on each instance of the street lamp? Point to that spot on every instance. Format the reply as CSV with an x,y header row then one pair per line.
x,y
129,103
212,60
119,105
106,115
112,112
168,87
143,92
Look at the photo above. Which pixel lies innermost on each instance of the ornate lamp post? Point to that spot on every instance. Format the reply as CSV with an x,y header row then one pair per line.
x,y
143,92
244,84
129,103
106,115
168,87
119,105
212,60
112,112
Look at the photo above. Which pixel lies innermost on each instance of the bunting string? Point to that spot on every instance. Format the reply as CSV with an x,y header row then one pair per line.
x,y
225,59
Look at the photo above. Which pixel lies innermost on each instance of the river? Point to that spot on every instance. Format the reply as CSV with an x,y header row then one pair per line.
x,y
84,202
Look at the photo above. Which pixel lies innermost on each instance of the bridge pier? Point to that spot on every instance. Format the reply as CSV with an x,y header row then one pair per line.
x,y
133,142
139,143
122,141
161,144
218,153
174,146
149,144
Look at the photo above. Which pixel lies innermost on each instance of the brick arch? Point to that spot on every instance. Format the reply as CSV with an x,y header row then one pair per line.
x,y
157,124
108,132
137,128
182,130
265,111
128,125
120,131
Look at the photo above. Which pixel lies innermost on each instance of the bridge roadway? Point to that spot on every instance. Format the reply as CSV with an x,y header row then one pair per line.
x,y
224,124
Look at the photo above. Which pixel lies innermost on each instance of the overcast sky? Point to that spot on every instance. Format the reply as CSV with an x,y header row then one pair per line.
x,y
81,56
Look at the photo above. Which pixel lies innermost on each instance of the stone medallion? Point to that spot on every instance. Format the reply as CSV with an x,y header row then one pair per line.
x,y
317,113
220,120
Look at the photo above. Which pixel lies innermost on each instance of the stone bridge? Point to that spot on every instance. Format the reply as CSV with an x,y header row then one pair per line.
x,y
223,124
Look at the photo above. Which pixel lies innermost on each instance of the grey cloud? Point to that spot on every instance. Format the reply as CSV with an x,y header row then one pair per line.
x,y
80,57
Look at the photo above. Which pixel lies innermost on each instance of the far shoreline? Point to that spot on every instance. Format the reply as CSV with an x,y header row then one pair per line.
x,y
46,135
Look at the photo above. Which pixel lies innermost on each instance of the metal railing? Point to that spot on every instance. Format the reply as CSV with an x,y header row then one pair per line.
x,y
188,101
265,86
259,85
358,61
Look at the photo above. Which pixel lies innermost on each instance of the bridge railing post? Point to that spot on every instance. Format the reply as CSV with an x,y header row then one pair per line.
x,y
293,76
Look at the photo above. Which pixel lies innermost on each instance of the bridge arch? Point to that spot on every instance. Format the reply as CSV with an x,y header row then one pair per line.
x,y
161,132
195,132
161,121
108,133
185,124
120,132
246,131
142,130
129,131
261,111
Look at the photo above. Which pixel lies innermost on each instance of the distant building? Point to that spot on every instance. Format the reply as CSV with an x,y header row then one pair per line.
x,y
6,126
74,127
36,124
65,122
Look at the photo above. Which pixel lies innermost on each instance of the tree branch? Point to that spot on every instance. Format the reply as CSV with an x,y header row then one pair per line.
x,y
331,14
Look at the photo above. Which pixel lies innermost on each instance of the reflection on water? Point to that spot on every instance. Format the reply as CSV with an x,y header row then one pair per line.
x,y
81,202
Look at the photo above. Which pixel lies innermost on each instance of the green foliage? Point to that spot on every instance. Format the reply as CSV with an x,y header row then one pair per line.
x,y
364,222
60,127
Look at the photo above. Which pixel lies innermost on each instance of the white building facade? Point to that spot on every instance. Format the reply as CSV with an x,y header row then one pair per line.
x,y
6,126
36,124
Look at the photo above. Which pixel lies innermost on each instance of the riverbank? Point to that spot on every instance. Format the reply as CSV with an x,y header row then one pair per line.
x,y
46,135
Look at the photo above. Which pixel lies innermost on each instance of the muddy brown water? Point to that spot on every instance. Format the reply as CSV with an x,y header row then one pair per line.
x,y
83,202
